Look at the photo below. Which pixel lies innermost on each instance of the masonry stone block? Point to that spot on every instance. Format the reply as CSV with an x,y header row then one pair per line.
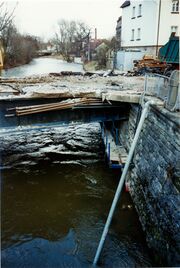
x,y
155,180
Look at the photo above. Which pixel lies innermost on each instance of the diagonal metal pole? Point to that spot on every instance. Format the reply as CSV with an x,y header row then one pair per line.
x,y
121,182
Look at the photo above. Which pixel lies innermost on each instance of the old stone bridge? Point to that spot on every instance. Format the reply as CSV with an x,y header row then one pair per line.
x,y
154,176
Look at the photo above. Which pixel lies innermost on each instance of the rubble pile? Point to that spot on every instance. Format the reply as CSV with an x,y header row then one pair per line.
x,y
149,64
69,85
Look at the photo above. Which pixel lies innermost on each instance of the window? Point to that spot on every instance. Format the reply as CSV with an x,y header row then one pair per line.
x,y
174,29
132,35
133,12
175,6
139,34
140,11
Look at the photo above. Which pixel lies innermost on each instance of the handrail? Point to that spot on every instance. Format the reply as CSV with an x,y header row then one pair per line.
x,y
162,87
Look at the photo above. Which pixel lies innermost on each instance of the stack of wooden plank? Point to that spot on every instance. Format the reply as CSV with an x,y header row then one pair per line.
x,y
148,62
26,110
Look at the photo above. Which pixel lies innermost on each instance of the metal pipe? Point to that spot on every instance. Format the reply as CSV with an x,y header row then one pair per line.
x,y
106,140
121,182
102,130
109,152
158,26
117,136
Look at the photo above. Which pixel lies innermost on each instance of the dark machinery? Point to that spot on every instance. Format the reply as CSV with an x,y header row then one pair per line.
x,y
169,54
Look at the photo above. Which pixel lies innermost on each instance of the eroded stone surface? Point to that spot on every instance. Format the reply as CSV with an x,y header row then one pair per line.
x,y
77,143
154,180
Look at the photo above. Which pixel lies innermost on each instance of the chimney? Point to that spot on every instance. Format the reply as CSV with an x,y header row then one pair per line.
x,y
95,34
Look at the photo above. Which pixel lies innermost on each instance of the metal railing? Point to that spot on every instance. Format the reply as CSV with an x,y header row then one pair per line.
x,y
164,88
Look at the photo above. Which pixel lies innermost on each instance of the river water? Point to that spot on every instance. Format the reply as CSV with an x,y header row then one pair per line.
x,y
56,194
41,66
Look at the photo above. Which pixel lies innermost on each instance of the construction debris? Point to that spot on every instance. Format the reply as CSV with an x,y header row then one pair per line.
x,y
149,64
68,104
26,80
65,87
66,73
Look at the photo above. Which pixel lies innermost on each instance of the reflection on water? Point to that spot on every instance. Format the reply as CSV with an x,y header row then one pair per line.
x,y
53,217
41,66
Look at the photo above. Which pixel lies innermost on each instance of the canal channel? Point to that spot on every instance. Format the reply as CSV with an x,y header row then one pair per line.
x,y
56,194
42,66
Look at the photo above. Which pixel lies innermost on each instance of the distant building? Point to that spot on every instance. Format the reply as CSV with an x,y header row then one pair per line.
x,y
51,47
89,47
146,26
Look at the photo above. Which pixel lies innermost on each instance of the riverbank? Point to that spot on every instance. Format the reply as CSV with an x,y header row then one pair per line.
x,y
11,65
19,64
90,66
8,66
55,56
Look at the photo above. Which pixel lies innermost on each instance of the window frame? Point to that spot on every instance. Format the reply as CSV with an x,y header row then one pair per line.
x,y
175,6
132,34
174,27
138,34
133,12
139,11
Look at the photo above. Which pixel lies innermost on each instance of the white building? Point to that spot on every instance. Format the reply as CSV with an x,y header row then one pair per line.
x,y
146,26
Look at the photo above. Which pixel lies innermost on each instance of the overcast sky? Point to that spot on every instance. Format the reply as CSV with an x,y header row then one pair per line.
x,y
38,17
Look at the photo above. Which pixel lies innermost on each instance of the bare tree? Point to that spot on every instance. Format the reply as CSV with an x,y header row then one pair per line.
x,y
70,36
19,49
6,16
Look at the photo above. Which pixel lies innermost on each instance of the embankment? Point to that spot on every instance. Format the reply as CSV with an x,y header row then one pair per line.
x,y
154,179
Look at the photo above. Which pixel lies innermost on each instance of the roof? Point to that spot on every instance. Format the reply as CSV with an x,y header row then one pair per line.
x,y
125,4
170,51
95,43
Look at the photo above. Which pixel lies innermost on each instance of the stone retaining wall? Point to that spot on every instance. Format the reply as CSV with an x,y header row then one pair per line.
x,y
154,180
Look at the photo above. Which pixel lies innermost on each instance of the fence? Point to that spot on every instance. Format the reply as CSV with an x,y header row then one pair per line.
x,y
164,88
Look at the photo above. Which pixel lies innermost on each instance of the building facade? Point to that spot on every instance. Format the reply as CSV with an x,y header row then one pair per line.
x,y
147,25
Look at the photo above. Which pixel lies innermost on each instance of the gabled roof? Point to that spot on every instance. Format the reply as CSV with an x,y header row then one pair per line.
x,y
126,4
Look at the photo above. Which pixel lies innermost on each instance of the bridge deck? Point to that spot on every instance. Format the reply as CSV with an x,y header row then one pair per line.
x,y
82,113
111,96
128,96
